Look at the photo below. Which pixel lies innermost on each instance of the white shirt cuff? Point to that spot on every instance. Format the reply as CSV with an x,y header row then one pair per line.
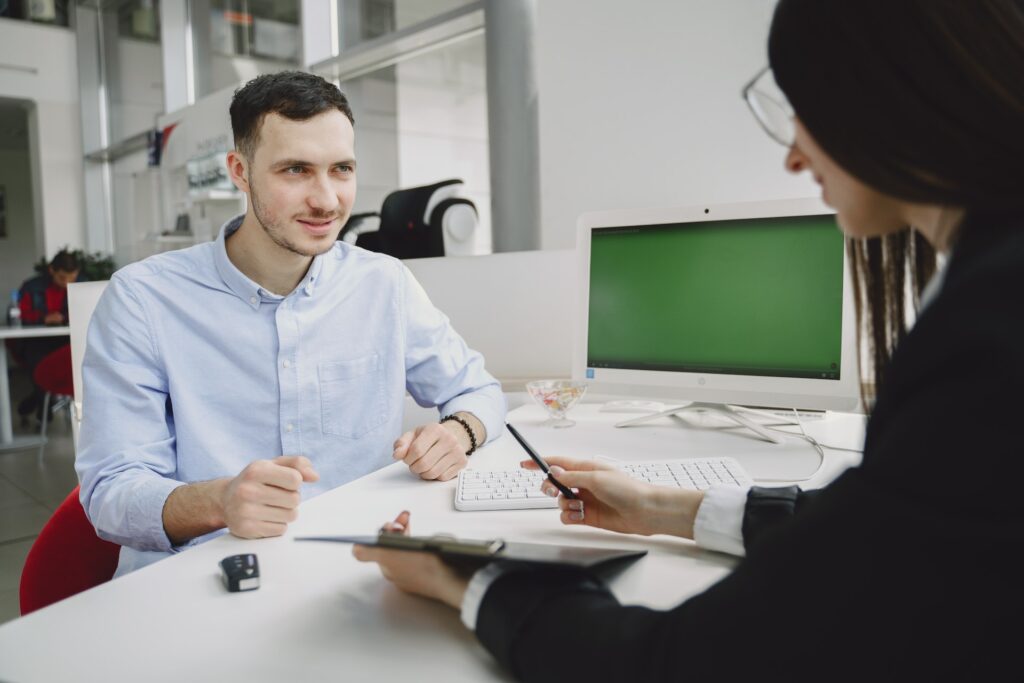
x,y
719,522
477,588
487,404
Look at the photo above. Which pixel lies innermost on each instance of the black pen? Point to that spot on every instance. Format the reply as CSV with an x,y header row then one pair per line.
x,y
566,491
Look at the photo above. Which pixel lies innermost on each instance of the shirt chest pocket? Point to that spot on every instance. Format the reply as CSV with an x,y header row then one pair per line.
x,y
352,400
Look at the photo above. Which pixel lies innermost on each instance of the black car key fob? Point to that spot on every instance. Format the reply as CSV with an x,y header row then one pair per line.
x,y
240,573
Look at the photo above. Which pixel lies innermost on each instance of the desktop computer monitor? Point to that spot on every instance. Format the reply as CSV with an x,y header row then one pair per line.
x,y
743,304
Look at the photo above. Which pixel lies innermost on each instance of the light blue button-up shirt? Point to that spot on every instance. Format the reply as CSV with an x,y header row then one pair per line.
x,y
192,371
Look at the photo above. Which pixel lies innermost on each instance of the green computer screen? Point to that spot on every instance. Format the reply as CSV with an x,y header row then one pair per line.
x,y
746,297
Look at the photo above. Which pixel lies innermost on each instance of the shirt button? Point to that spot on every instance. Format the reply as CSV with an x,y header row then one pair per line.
x,y
253,300
287,363
289,427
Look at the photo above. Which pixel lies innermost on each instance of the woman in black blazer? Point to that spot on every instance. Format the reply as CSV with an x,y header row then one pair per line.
x,y
908,113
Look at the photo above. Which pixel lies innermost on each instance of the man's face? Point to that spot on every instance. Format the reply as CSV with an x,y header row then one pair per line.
x,y
302,180
62,278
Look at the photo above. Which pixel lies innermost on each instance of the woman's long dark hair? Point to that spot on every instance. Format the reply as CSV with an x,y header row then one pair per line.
x,y
886,270
922,100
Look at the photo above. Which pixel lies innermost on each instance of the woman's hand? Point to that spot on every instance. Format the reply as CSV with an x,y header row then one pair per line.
x,y
610,499
418,573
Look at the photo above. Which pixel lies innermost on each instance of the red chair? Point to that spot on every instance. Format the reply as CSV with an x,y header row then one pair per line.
x,y
54,375
67,558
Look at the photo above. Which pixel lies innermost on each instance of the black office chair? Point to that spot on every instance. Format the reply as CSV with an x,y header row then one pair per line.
x,y
362,230
416,222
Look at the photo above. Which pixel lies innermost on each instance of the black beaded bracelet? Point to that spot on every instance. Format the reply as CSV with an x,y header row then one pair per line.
x,y
469,430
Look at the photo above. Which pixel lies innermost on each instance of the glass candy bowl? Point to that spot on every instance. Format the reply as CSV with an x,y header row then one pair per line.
x,y
557,397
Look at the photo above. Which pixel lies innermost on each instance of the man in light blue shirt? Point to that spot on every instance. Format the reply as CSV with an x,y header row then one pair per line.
x,y
226,382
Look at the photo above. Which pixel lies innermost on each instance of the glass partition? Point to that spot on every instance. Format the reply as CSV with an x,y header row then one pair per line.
x,y
52,12
423,121
363,20
236,40
133,67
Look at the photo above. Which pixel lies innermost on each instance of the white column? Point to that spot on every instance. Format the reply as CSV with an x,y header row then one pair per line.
x,y
176,47
95,119
319,30
512,117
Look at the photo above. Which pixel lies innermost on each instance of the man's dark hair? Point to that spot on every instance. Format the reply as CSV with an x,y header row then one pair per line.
x,y
295,95
65,261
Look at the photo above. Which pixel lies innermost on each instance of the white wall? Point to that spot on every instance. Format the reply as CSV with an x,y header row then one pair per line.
x,y
39,63
517,308
640,106
18,250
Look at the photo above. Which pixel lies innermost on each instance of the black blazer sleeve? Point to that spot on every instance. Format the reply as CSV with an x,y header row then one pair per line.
x,y
900,569
767,507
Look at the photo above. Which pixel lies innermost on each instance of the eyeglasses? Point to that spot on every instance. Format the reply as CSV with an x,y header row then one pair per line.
x,y
770,106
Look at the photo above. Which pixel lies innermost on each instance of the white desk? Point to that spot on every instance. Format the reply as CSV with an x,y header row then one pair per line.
x,y
7,440
320,615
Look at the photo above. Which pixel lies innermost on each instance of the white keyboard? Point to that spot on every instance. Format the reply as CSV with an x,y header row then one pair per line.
x,y
519,489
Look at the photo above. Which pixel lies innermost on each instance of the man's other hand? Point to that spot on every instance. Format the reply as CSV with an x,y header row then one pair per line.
x,y
264,498
434,451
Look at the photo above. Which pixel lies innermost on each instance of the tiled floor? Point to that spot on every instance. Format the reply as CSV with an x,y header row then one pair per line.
x,y
29,493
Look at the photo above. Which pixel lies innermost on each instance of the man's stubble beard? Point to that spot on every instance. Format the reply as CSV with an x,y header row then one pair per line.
x,y
273,228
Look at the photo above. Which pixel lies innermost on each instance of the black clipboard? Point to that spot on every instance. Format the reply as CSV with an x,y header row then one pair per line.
x,y
480,552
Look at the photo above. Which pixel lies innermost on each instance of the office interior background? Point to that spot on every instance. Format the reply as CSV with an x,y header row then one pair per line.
x,y
113,122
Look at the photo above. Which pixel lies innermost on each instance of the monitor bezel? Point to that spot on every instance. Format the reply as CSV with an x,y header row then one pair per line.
x,y
748,390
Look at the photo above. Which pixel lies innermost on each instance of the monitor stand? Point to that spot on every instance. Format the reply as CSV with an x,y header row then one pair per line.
x,y
717,408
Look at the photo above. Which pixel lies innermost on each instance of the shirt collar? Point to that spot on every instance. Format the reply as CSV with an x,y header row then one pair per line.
x,y
313,274
244,288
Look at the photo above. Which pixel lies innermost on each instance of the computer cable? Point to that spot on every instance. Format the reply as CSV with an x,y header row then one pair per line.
x,y
806,437
796,422
817,447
